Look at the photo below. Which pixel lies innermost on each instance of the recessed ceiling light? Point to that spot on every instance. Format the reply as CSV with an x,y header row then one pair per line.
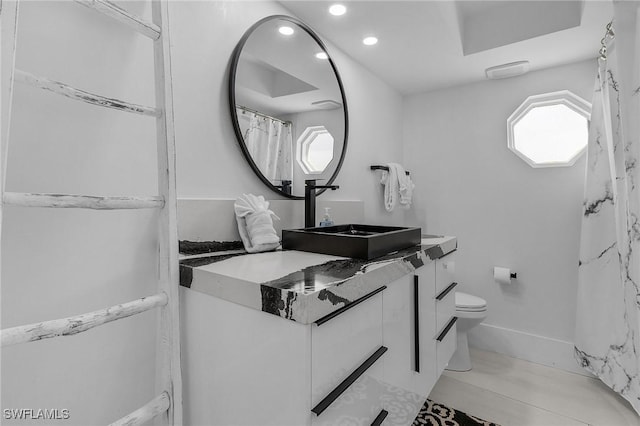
x,y
370,41
337,10
284,30
322,55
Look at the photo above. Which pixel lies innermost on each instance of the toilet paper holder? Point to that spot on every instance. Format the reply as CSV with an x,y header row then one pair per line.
x,y
503,275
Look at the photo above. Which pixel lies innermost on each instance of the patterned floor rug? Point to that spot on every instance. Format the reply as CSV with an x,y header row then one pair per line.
x,y
434,414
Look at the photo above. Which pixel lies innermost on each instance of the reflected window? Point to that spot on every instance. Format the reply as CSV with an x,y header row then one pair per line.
x,y
315,149
550,130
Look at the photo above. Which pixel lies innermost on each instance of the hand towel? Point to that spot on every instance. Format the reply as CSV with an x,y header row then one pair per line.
x,y
398,187
390,181
255,223
405,187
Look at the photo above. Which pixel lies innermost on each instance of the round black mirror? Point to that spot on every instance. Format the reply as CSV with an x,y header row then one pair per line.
x,y
288,105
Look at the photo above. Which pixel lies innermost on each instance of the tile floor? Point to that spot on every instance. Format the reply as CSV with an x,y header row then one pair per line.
x,y
513,392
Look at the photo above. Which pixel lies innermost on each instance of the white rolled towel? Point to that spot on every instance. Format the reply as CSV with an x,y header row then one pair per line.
x,y
398,187
405,187
255,223
390,181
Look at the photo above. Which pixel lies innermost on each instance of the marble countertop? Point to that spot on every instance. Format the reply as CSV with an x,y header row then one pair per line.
x,y
301,286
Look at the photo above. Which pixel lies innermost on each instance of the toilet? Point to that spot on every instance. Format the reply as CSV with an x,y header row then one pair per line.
x,y
471,311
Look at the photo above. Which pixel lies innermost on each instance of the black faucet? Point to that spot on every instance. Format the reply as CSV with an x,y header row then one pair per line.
x,y
285,186
310,201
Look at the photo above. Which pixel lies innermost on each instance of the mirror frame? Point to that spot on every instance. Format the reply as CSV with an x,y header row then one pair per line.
x,y
232,101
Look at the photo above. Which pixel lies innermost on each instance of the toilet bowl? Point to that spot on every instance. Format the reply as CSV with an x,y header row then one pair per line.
x,y
471,311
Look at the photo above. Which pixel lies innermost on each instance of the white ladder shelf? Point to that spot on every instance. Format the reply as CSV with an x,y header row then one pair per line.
x,y
167,405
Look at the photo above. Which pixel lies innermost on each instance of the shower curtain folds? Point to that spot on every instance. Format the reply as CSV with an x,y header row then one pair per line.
x,y
269,142
607,341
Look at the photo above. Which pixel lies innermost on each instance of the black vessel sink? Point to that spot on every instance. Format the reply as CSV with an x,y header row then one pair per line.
x,y
358,241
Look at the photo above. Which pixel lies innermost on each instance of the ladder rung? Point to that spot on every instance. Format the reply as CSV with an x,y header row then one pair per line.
x,y
157,405
116,12
79,323
81,95
81,201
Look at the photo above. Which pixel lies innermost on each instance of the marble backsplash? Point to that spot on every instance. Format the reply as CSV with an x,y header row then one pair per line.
x,y
207,219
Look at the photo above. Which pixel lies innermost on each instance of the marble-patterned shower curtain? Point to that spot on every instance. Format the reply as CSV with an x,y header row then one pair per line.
x,y
269,142
607,341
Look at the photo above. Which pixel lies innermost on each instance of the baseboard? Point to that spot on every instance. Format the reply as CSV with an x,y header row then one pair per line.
x,y
529,347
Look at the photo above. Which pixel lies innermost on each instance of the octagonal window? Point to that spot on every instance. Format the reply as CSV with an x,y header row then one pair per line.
x,y
315,149
550,130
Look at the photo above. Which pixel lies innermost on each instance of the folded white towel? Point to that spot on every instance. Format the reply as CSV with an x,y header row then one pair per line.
x,y
405,187
255,223
398,187
390,181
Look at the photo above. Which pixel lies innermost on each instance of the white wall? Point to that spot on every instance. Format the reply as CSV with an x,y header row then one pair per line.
x,y
503,211
195,222
61,262
210,162
58,263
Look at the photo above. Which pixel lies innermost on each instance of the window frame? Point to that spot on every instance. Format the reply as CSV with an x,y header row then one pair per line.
x,y
562,97
302,148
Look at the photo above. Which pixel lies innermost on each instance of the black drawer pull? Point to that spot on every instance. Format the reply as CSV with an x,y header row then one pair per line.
x,y
335,394
380,418
442,335
446,291
349,306
416,324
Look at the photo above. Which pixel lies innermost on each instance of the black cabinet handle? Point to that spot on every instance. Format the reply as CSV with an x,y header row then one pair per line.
x,y
416,324
444,332
348,306
335,394
380,418
446,291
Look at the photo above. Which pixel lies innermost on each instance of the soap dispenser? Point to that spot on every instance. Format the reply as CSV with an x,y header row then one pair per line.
x,y
326,219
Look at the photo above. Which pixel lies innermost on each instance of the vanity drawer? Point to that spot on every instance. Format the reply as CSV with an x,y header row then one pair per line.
x,y
361,400
446,344
445,306
340,347
445,271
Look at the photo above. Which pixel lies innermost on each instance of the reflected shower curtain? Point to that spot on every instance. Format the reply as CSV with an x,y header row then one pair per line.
x,y
607,339
269,143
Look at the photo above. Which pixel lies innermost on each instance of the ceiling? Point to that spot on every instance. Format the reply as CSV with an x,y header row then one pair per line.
x,y
278,74
427,45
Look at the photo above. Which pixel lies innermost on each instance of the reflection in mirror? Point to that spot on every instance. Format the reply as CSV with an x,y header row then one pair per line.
x,y
288,105
315,149
268,141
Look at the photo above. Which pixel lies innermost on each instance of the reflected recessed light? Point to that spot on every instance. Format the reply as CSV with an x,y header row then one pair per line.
x,y
337,10
284,30
370,41
322,55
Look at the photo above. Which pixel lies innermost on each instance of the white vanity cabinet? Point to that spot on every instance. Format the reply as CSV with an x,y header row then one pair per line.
x,y
241,366
445,307
409,328
344,346
372,361
245,367
419,326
